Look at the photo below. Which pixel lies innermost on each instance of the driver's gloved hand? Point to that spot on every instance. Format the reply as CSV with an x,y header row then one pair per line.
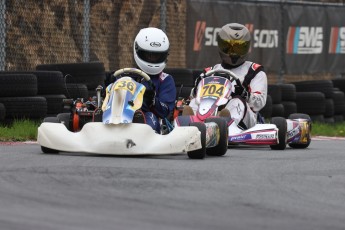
x,y
240,91
149,95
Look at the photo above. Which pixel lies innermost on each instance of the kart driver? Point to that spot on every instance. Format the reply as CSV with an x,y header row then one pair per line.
x,y
250,93
151,50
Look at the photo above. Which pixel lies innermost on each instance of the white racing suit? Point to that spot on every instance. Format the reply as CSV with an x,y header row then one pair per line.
x,y
244,111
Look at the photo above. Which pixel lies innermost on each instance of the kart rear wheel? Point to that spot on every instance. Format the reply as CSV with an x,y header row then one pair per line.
x,y
45,149
199,153
301,116
281,124
222,146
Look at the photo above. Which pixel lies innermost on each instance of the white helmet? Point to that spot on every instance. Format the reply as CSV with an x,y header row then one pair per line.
x,y
151,49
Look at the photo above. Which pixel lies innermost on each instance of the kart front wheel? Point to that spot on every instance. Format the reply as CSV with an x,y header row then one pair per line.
x,y
199,153
281,124
45,149
222,146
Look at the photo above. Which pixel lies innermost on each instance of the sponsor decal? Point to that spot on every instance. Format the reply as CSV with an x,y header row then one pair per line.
x,y
199,34
337,40
294,132
265,136
239,138
304,40
155,44
265,39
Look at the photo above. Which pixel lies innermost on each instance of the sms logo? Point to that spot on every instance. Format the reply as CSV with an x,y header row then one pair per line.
x,y
304,40
337,40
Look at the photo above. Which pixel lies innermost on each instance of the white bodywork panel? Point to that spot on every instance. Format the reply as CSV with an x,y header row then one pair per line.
x,y
120,139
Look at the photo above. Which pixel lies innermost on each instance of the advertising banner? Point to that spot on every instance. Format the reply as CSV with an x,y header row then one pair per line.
x,y
288,38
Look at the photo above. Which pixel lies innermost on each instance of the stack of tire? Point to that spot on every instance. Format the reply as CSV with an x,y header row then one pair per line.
x,y
288,98
339,99
50,85
266,111
316,99
275,92
81,79
19,98
183,81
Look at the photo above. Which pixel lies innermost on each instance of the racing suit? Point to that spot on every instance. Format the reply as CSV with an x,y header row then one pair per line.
x,y
243,109
163,102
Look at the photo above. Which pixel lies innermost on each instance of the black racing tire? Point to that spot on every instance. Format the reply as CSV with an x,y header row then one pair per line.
x,y
48,82
45,149
290,107
222,147
339,102
2,112
65,118
329,108
18,85
312,103
320,118
182,76
278,110
266,111
281,124
301,116
288,92
339,83
323,86
276,93
199,153
76,91
54,103
91,74
25,107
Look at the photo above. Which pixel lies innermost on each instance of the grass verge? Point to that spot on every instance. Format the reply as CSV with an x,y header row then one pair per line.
x,y
26,130
19,130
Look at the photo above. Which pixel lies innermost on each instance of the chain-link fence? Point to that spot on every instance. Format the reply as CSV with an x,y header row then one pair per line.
x,y
65,31
36,32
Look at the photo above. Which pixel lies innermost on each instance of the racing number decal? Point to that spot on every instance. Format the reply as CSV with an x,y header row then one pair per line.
x,y
212,90
125,84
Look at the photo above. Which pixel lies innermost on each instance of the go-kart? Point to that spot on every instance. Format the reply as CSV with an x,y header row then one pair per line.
x,y
116,133
214,92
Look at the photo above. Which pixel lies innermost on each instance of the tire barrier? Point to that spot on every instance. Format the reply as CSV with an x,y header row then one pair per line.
x,y
276,94
34,94
76,91
324,86
266,111
2,112
288,92
91,74
25,107
339,105
18,85
183,81
312,103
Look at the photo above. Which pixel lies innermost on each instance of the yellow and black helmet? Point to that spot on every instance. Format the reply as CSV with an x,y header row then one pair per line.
x,y
233,43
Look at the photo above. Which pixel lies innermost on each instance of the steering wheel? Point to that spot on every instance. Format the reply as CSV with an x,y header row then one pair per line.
x,y
231,75
135,71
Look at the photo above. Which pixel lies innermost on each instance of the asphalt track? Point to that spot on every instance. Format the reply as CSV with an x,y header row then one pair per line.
x,y
248,188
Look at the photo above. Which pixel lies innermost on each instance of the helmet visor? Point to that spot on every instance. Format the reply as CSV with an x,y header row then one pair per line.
x,y
233,47
152,57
